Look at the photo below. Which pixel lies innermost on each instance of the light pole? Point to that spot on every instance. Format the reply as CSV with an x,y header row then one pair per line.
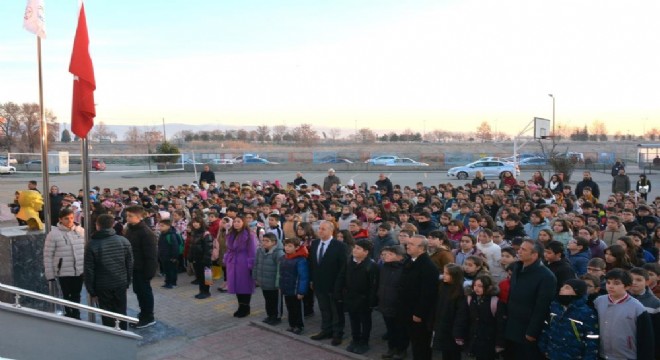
x,y
553,114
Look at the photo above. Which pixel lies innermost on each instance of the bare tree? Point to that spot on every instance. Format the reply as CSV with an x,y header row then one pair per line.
x,y
10,114
134,137
28,128
599,130
366,136
242,135
278,132
484,132
334,133
305,135
101,132
262,133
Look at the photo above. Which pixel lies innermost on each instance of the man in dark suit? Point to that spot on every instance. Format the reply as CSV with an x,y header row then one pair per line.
x,y
328,258
418,294
532,290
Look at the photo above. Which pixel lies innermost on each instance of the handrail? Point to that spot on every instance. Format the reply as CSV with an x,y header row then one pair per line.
x,y
18,292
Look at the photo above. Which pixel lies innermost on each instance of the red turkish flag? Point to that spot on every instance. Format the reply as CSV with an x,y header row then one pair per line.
x,y
83,110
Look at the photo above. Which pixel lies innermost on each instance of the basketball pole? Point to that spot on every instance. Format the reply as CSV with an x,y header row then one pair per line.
x,y
553,114
516,148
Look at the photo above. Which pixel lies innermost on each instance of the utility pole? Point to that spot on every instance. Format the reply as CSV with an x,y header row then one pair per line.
x,y
164,134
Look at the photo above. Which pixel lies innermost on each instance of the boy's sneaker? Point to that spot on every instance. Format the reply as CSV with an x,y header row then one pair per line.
x,y
361,349
400,354
289,329
389,354
351,347
145,323
272,320
297,331
202,296
168,286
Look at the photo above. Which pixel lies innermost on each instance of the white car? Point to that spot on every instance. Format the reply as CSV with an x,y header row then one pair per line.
x,y
406,162
222,162
382,160
490,169
6,169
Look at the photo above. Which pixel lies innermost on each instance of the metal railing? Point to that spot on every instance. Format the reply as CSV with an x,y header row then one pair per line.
x,y
18,292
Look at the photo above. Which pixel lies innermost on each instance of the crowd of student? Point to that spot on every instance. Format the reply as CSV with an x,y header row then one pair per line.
x,y
523,269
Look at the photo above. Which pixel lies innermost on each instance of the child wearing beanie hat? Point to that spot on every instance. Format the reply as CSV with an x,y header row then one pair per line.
x,y
569,333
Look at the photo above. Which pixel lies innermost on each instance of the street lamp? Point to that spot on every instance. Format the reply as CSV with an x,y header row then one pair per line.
x,y
553,114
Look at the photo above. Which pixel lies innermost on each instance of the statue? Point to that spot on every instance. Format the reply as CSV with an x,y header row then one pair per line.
x,y
31,203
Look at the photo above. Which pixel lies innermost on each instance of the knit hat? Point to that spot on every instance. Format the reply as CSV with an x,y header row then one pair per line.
x,y
579,286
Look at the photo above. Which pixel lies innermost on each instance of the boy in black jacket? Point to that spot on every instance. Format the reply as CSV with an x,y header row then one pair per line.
x,y
388,299
359,294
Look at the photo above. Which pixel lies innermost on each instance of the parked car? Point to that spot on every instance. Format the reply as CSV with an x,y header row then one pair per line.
x,y
382,160
575,157
491,158
98,165
406,162
521,157
490,169
3,159
191,162
32,165
7,169
222,162
533,161
239,159
256,160
336,161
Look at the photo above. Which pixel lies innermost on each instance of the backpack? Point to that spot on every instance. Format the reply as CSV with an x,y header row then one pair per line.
x,y
493,303
180,242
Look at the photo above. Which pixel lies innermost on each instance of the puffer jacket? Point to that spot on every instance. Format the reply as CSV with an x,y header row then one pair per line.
x,y
579,261
201,246
108,262
64,252
265,267
293,276
388,288
566,334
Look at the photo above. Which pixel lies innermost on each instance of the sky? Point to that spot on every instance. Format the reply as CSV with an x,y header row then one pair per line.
x,y
382,64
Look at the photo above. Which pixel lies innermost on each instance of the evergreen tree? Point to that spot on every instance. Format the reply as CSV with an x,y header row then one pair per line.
x,y
66,136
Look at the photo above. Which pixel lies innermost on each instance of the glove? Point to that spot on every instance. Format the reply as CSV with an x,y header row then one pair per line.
x,y
499,349
460,342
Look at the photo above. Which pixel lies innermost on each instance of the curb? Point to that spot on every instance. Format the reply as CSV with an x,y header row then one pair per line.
x,y
308,341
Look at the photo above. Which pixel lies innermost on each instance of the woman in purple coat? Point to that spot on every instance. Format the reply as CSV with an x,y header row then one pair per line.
x,y
239,258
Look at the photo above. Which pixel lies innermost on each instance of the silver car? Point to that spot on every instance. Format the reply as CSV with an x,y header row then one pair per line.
x,y
406,162
490,169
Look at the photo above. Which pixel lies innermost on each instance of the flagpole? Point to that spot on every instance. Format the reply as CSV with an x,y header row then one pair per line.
x,y
44,145
85,171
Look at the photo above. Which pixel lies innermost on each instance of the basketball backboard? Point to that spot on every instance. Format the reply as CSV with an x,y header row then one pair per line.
x,y
542,128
